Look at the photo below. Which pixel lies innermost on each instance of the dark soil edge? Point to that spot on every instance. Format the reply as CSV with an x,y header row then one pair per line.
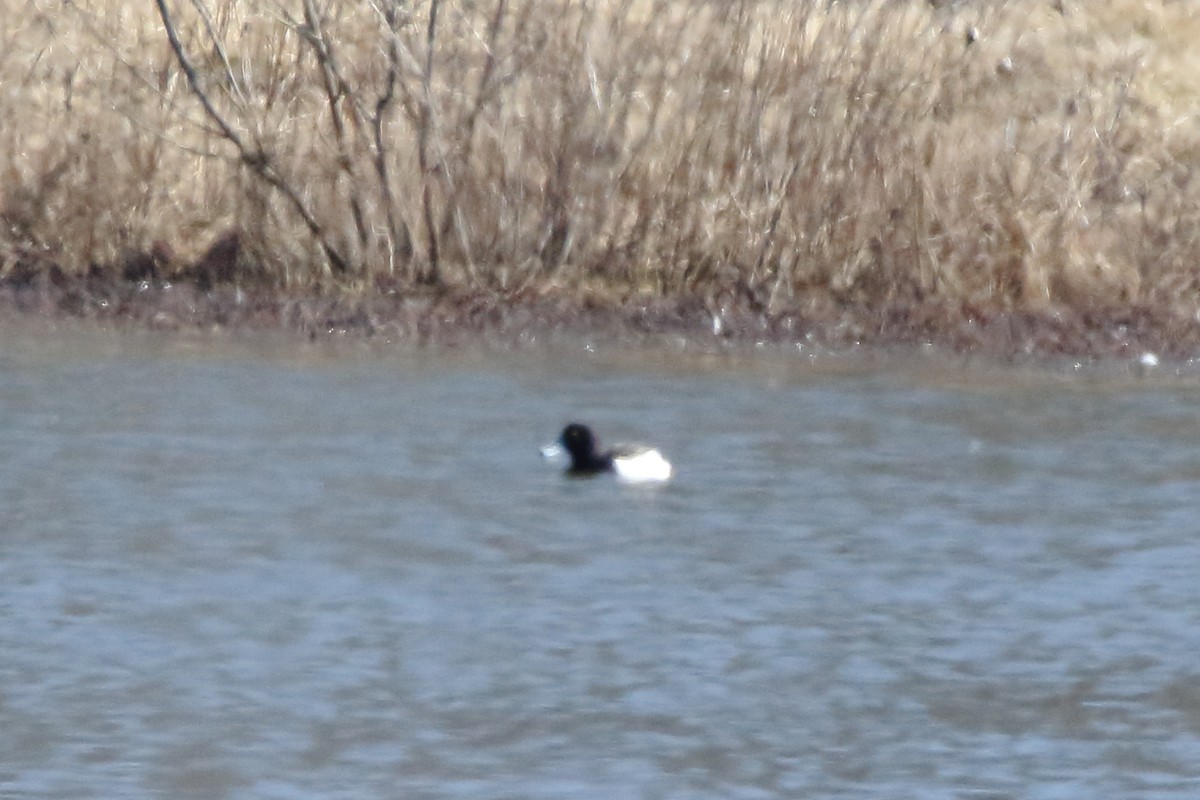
x,y
453,317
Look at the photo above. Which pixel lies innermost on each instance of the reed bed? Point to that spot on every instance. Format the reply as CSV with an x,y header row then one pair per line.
x,y
912,163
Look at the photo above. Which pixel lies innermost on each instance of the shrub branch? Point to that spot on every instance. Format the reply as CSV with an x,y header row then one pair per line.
x,y
259,161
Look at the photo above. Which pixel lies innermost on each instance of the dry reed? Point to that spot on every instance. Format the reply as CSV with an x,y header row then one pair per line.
x,y
898,160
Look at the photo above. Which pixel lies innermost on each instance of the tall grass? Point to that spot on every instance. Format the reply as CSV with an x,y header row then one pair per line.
x,y
781,156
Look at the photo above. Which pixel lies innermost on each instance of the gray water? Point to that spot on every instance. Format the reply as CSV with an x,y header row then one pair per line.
x,y
291,571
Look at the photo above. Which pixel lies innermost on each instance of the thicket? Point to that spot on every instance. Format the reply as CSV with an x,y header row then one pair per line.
x,y
787,156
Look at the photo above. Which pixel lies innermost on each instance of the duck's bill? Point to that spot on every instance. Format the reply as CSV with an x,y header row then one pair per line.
x,y
554,452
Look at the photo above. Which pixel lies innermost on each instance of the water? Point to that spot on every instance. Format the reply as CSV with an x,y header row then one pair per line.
x,y
288,571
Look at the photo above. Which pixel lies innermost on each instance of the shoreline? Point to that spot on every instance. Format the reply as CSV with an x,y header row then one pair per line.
x,y
449,317
1017,180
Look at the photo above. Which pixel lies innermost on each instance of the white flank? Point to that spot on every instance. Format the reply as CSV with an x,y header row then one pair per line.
x,y
647,466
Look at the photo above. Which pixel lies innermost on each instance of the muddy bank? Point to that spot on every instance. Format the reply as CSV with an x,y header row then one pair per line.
x,y
130,297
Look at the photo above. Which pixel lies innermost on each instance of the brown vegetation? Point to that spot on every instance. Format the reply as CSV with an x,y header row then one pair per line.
x,y
1023,174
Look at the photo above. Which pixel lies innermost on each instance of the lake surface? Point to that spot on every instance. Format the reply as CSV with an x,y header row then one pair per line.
x,y
282,570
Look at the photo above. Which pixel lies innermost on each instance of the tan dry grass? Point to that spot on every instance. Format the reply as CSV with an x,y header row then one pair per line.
x,y
789,156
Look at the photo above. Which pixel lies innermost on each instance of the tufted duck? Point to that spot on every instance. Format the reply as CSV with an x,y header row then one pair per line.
x,y
630,463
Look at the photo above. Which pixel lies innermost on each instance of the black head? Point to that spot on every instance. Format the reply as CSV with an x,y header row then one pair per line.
x,y
580,443
578,440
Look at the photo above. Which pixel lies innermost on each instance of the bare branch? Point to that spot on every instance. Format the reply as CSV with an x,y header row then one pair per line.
x,y
401,240
424,124
489,69
258,160
194,81
219,47
336,89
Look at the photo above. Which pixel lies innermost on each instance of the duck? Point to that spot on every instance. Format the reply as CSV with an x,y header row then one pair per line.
x,y
630,463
